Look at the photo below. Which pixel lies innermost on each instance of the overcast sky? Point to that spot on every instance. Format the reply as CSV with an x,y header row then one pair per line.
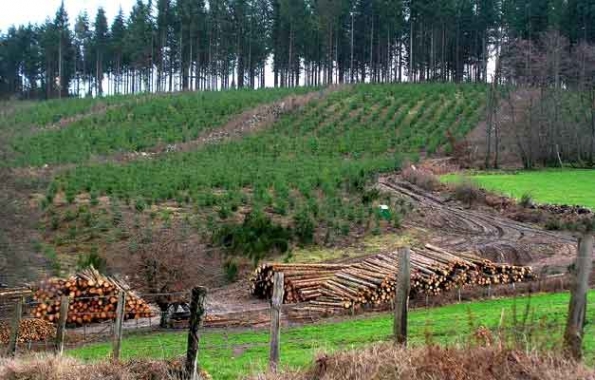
x,y
17,12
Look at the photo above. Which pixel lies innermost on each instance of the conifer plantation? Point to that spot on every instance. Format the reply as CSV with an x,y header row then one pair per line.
x,y
172,45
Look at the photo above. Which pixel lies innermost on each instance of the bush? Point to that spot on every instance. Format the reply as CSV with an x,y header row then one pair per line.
x,y
94,198
254,238
140,205
526,200
468,192
370,196
421,178
304,227
92,259
50,254
231,270
553,224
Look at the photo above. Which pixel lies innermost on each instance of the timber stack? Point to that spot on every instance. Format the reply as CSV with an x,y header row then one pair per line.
x,y
93,298
30,330
302,281
372,281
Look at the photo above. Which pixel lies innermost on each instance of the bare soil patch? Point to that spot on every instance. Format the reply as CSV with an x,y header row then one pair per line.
x,y
248,122
457,227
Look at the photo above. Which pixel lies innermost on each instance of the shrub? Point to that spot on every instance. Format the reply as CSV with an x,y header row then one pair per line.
x,y
421,178
70,196
224,211
370,196
468,192
304,227
553,224
92,259
94,200
54,222
231,270
254,238
526,200
140,205
52,256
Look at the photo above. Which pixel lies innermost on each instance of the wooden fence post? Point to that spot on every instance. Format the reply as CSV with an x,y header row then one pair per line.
x,y
402,297
276,302
14,329
117,342
64,303
197,313
577,309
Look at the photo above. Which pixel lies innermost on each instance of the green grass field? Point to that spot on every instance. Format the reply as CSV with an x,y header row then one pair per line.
x,y
574,187
232,354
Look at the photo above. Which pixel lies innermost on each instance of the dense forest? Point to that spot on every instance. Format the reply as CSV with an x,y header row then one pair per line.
x,y
172,45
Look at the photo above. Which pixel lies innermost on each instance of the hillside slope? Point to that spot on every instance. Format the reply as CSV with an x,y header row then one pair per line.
x,y
302,181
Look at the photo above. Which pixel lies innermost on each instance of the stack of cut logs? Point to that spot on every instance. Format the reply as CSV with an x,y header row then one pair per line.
x,y
302,281
372,281
30,330
93,298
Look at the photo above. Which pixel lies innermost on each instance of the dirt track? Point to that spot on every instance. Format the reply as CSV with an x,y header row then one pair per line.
x,y
456,228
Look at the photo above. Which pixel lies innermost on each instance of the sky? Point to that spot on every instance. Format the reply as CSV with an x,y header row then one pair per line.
x,y
17,12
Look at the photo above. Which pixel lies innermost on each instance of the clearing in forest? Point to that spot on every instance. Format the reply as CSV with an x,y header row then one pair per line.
x,y
309,172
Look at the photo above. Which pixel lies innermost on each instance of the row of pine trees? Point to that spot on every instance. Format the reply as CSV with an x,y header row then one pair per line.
x,y
172,45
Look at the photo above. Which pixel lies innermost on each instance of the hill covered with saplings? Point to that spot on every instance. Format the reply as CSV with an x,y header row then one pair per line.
x,y
291,166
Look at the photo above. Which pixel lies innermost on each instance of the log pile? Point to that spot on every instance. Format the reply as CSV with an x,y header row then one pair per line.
x,y
30,330
93,298
372,281
302,281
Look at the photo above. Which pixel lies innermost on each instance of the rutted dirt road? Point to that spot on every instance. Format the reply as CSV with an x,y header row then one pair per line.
x,y
453,227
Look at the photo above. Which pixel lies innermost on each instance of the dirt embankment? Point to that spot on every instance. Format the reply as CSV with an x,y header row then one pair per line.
x,y
455,227
19,261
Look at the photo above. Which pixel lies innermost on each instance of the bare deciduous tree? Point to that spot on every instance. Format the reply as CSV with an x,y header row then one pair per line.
x,y
163,264
560,79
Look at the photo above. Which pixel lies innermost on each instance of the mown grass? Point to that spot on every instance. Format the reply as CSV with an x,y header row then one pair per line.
x,y
232,354
569,186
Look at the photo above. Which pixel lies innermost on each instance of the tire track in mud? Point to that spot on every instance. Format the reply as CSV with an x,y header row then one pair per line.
x,y
495,237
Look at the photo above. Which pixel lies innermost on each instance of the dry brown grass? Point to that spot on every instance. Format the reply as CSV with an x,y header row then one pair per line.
x,y
421,178
46,367
385,362
468,192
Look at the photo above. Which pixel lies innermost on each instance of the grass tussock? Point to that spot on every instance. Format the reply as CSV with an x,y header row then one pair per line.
x,y
385,362
468,192
46,367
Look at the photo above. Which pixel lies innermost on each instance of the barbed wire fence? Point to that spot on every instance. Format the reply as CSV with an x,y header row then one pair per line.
x,y
198,333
